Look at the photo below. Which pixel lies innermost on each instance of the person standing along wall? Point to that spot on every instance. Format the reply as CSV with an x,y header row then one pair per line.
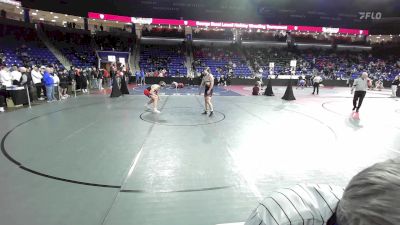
x,y
395,84
49,83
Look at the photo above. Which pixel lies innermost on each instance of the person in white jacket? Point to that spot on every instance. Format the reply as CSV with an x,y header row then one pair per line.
x,y
37,81
5,77
16,76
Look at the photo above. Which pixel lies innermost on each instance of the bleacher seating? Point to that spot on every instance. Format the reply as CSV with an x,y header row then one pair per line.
x,y
73,44
22,47
221,61
107,41
213,34
163,32
170,58
333,64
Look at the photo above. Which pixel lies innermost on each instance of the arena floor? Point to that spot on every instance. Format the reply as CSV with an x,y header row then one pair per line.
x,y
94,160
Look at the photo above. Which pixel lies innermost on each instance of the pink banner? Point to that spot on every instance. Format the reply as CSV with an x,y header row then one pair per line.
x,y
100,16
353,31
168,22
126,19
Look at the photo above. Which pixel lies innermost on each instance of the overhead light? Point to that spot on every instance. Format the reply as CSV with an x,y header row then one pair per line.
x,y
116,21
55,17
53,20
41,19
51,13
75,20
35,14
66,15
64,22
93,19
17,7
20,13
37,10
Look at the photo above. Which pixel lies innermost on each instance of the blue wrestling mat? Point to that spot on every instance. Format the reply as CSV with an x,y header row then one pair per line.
x,y
188,90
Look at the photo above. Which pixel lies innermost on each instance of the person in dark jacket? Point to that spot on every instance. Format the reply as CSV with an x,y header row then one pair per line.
x,y
63,84
84,80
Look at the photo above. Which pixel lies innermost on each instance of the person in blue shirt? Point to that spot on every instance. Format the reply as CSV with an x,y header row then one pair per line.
x,y
142,77
49,83
137,77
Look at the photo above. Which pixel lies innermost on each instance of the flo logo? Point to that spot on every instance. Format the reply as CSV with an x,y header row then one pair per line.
x,y
370,15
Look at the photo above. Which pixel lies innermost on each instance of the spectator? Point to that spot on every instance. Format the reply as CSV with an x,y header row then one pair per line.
x,y
256,88
84,80
25,80
94,76
100,79
3,14
63,75
5,76
16,76
3,95
395,85
49,83
37,81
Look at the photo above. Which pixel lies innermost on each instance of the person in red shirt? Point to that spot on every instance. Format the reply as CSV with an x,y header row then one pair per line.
x,y
256,88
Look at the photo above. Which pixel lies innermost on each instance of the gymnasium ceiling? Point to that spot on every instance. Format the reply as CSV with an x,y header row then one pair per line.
x,y
334,13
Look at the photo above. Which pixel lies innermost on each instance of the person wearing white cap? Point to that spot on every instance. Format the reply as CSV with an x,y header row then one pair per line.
x,y
24,76
361,85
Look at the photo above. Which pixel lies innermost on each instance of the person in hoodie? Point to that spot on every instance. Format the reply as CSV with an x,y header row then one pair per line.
x,y
49,83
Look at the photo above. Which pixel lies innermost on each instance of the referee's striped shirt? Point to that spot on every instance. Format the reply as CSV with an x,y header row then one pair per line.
x,y
299,205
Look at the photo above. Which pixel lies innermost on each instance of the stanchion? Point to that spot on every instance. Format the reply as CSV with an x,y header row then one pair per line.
x,y
74,87
29,97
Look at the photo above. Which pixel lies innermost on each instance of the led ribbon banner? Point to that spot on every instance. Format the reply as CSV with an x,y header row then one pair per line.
x,y
192,23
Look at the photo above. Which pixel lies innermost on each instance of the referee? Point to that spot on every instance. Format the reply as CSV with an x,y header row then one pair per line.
x,y
298,205
371,198
361,85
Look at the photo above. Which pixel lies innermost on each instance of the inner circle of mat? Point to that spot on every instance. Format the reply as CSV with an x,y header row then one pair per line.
x,y
182,116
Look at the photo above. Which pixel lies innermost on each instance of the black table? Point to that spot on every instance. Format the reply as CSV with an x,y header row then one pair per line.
x,y
18,95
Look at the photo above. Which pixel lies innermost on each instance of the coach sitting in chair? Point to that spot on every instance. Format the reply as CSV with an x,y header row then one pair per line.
x,y
371,198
